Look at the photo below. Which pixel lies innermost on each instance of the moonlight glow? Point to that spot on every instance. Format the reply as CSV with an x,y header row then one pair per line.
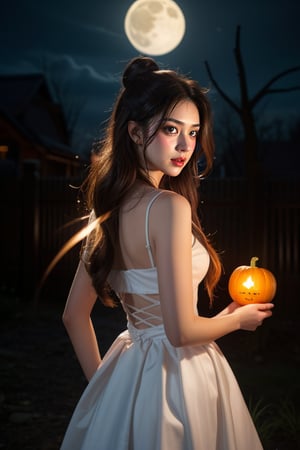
x,y
154,27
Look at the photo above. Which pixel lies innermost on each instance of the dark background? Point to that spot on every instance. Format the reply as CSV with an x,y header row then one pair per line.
x,y
68,58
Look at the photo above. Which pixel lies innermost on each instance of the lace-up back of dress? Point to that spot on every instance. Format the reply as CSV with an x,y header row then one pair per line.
x,y
138,288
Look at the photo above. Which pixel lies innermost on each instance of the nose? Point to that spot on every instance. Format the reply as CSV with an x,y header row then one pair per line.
x,y
183,143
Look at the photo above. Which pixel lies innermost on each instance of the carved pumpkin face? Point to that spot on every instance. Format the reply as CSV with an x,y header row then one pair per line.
x,y
251,284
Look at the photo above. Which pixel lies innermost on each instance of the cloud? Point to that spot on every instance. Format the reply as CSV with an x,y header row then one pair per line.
x,y
63,65
83,87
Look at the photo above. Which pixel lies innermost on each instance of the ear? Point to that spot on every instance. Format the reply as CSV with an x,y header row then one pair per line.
x,y
135,132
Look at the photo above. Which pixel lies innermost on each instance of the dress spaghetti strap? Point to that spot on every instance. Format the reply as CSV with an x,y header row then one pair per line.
x,y
148,246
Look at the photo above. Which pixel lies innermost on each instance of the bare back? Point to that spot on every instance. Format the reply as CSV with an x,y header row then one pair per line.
x,y
134,256
135,275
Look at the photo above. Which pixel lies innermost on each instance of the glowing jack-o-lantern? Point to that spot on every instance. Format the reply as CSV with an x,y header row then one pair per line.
x,y
251,284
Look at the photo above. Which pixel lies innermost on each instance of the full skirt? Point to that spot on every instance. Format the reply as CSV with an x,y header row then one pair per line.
x,y
149,395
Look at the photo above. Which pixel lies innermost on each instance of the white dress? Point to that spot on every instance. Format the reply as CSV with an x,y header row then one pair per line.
x,y
149,395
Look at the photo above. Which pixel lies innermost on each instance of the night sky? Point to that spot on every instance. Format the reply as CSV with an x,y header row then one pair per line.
x,y
82,46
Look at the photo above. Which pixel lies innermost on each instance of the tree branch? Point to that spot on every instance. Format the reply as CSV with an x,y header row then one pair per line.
x,y
265,89
220,90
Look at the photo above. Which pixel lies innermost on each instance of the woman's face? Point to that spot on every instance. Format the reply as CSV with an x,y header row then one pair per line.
x,y
174,143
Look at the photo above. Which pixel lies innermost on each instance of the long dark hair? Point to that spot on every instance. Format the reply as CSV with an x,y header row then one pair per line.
x,y
147,93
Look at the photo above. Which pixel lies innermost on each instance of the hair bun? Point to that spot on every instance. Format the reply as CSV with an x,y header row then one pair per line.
x,y
138,68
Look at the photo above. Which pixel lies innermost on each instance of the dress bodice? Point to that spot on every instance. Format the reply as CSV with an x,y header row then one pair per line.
x,y
144,282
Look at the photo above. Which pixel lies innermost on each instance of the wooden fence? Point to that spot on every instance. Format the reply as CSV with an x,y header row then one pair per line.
x,y
35,212
37,219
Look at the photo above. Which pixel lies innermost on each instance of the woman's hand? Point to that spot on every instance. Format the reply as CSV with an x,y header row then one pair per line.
x,y
252,316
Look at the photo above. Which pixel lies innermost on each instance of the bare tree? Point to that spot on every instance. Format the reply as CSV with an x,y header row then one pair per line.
x,y
245,109
254,206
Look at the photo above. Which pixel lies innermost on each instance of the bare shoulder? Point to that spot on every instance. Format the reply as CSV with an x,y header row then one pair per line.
x,y
172,201
170,229
170,207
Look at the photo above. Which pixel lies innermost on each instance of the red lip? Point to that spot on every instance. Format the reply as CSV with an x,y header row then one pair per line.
x,y
179,162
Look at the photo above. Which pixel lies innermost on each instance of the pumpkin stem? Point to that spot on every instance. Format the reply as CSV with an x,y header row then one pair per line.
x,y
253,261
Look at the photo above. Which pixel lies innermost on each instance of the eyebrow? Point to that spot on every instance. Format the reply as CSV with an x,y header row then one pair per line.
x,y
166,119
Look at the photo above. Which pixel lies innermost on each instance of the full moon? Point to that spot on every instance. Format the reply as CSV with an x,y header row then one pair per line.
x,y
154,27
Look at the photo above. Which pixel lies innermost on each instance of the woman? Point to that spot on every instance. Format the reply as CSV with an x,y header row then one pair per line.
x,y
164,383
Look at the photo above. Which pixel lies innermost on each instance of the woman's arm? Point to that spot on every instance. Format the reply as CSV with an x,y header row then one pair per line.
x,y
78,323
227,310
171,235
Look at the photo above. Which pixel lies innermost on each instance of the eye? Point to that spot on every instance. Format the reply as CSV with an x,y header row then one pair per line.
x,y
170,129
194,133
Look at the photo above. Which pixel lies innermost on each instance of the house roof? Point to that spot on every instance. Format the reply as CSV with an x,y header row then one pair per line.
x,y
49,144
27,104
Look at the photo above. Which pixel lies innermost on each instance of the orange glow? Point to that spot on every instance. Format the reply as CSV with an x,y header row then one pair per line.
x,y
249,283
